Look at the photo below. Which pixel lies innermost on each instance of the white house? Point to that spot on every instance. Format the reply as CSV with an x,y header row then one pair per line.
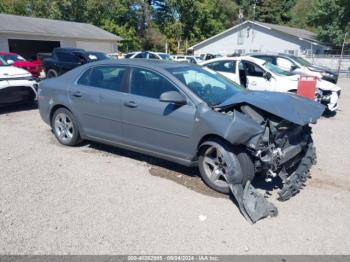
x,y
252,36
29,35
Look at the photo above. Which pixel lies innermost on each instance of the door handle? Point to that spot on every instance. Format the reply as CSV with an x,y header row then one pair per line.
x,y
130,104
77,94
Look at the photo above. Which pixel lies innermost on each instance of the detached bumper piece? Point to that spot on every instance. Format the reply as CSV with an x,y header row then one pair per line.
x,y
254,206
294,182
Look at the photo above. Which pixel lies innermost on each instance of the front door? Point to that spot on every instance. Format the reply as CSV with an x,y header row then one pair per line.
x,y
255,77
153,125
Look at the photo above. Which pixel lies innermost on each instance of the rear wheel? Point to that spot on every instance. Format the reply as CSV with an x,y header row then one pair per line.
x,y
51,73
65,127
214,163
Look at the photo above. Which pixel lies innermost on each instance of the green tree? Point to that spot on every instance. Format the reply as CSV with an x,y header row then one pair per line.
x,y
275,11
185,22
331,18
299,13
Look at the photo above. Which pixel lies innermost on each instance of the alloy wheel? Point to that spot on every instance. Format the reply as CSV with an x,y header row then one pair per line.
x,y
215,165
64,127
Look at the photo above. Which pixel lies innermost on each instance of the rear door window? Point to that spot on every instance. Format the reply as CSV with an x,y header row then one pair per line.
x,y
105,77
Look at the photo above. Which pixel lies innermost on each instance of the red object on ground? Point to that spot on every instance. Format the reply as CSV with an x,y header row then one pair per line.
x,y
307,87
34,67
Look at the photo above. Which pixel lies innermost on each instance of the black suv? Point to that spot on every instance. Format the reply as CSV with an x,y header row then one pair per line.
x,y
65,59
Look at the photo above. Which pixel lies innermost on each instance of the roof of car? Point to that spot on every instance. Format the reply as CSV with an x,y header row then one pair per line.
x,y
68,49
236,58
270,54
165,64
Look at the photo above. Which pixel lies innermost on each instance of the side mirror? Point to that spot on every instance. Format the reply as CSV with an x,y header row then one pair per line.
x,y
173,97
267,76
10,61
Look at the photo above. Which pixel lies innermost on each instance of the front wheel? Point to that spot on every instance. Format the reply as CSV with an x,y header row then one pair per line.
x,y
217,159
65,127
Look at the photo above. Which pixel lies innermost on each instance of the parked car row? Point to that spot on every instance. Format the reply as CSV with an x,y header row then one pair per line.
x,y
19,77
34,66
233,117
191,115
16,86
258,74
65,59
298,65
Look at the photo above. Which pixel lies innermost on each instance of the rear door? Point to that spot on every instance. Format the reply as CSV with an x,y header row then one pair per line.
x,y
97,98
157,126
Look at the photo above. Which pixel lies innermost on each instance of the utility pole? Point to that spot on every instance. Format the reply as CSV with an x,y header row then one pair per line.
x,y
254,7
341,53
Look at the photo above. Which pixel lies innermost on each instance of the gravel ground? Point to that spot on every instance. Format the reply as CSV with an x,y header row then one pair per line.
x,y
96,199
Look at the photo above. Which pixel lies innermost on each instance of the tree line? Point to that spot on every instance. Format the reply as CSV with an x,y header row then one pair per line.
x,y
175,25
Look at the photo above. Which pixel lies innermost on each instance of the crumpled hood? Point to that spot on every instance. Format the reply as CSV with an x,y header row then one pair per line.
x,y
298,110
12,71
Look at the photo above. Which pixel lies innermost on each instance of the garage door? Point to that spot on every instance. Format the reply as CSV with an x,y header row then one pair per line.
x,y
95,46
29,48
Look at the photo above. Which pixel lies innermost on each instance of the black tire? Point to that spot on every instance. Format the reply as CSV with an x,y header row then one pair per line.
x,y
66,132
30,100
51,73
233,154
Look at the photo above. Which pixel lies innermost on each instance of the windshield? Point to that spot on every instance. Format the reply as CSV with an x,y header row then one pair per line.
x,y
277,70
165,56
210,86
302,61
97,56
3,62
13,57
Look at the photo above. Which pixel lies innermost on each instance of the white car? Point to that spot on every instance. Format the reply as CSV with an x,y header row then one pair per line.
x,y
149,55
186,58
298,65
16,86
257,74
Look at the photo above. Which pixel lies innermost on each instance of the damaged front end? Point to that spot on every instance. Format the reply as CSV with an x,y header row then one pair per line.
x,y
282,149
329,98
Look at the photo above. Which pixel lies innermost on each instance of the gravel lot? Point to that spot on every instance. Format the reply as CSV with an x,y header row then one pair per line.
x,y
96,199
